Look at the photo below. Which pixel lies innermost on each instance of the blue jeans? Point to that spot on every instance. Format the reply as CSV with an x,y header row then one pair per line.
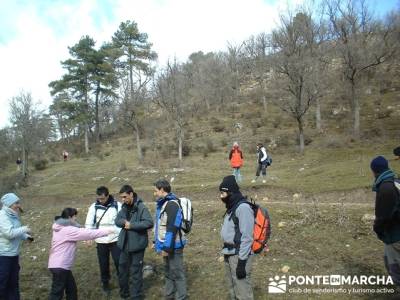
x,y
236,173
9,277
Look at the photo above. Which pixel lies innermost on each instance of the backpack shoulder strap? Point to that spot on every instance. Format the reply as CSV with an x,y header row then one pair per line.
x,y
233,214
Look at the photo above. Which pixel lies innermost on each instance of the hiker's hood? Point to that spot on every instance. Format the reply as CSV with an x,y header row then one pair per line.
x,y
61,222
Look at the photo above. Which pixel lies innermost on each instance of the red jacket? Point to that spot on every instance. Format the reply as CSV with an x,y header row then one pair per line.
x,y
236,157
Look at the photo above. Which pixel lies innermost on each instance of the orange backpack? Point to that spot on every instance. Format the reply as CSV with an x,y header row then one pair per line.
x,y
262,225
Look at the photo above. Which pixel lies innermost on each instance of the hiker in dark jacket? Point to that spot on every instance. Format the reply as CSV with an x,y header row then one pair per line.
x,y
170,240
134,218
237,239
387,215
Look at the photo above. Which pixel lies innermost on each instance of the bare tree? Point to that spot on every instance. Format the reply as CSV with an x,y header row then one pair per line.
x,y
295,44
171,95
362,43
133,105
256,50
30,128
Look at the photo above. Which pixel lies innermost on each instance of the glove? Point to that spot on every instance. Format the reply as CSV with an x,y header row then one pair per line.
x,y
241,269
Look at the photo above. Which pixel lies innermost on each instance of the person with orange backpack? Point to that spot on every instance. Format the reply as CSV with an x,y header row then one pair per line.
x,y
237,239
236,158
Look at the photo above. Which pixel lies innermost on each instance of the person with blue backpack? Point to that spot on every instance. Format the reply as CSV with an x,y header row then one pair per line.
x,y
237,237
387,214
170,240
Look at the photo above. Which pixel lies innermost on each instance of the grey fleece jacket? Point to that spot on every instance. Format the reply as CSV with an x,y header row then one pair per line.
x,y
246,223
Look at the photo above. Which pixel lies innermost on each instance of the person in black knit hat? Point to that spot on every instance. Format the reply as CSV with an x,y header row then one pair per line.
x,y
237,237
387,215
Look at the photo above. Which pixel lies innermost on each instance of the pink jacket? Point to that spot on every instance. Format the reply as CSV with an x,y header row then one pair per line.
x,y
63,243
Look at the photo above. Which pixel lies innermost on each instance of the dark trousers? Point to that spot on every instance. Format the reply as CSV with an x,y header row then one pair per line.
x,y
9,277
261,168
175,279
131,265
63,280
103,254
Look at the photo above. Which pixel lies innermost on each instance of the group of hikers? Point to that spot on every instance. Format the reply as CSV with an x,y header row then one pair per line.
x,y
121,231
263,162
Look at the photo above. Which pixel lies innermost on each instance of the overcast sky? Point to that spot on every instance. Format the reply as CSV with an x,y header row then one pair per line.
x,y
35,35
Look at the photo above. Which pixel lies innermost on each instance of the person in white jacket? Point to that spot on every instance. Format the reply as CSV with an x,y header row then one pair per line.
x,y
263,162
102,214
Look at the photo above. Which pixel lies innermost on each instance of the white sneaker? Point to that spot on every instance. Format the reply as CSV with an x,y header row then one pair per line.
x,y
264,181
253,181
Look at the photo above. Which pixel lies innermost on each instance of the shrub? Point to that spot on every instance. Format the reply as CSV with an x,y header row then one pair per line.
x,y
41,164
186,150
210,146
334,142
224,142
8,183
219,128
122,166
307,139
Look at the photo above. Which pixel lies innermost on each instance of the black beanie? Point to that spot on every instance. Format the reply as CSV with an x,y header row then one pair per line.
x,y
379,164
229,185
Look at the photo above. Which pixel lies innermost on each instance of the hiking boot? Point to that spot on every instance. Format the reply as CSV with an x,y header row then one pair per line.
x,y
106,287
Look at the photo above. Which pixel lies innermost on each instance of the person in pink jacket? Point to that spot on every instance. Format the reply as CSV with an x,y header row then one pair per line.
x,y
66,232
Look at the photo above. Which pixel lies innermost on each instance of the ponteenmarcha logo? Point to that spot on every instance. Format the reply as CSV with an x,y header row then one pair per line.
x,y
277,285
283,284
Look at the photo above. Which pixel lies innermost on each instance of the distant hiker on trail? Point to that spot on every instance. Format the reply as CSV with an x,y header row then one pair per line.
x,y
19,164
66,232
11,235
387,215
262,160
396,152
170,240
135,220
102,214
237,240
236,158
65,155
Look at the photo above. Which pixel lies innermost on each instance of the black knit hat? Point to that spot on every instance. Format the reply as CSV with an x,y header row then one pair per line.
x,y
379,164
229,185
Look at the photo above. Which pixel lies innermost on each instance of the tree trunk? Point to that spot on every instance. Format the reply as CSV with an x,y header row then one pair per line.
x,y
24,162
265,104
207,103
86,139
180,143
301,135
97,112
138,143
318,114
264,98
356,112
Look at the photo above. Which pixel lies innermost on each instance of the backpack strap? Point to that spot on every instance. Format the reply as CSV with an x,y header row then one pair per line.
x,y
235,219
97,224
178,202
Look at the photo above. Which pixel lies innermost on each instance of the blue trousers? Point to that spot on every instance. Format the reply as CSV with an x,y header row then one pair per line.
x,y
9,278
